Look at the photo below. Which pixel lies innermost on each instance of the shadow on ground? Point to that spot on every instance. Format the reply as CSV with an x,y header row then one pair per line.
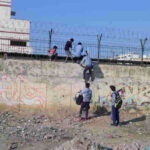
x,y
142,118
99,147
101,111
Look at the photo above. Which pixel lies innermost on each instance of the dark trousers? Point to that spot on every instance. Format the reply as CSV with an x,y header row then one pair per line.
x,y
86,69
85,105
53,57
68,53
115,115
77,59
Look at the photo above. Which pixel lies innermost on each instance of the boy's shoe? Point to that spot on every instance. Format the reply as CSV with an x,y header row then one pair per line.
x,y
82,119
79,115
118,123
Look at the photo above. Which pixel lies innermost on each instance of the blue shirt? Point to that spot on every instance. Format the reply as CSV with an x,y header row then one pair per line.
x,y
86,61
87,94
114,97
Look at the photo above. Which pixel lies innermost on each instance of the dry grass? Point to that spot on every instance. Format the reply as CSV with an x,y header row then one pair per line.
x,y
4,107
56,110
51,111
60,111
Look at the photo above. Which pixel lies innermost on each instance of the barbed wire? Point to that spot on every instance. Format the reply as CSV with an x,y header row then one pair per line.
x,y
114,41
88,32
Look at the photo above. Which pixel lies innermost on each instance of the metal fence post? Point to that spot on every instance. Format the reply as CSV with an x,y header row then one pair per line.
x,y
99,38
143,42
50,38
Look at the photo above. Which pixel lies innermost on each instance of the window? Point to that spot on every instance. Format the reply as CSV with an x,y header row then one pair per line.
x,y
18,43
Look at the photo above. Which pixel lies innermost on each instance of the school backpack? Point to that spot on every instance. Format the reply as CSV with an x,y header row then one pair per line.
x,y
118,102
78,99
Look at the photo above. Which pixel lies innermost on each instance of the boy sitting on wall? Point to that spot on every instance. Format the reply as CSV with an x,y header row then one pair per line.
x,y
53,53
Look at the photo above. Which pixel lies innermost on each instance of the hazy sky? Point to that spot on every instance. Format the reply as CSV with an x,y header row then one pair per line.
x,y
131,14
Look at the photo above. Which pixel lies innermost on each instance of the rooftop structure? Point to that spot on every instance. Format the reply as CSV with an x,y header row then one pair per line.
x,y
14,34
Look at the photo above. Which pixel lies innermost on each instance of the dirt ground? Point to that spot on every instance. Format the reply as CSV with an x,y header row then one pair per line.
x,y
34,129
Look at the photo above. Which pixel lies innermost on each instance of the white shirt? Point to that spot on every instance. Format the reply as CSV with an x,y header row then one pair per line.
x,y
78,50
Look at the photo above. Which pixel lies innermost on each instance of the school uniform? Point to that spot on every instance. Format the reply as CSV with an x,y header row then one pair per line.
x,y
53,54
115,111
87,94
88,65
68,45
77,54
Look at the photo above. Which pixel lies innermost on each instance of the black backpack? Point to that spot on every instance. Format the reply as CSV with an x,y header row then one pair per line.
x,y
118,102
79,99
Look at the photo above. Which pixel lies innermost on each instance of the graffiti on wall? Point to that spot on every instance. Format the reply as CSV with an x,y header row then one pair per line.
x,y
21,91
132,96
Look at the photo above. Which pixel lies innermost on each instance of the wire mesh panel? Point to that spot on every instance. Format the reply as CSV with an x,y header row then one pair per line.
x,y
115,43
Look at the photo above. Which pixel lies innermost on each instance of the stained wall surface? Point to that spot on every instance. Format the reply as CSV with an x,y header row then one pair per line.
x,y
44,83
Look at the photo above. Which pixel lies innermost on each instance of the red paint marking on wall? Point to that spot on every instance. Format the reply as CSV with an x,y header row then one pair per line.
x,y
14,32
144,88
4,5
13,92
5,2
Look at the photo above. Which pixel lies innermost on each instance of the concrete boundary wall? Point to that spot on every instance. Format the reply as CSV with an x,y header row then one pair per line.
x,y
45,83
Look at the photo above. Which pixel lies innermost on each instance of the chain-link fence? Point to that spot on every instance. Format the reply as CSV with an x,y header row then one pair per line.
x,y
101,43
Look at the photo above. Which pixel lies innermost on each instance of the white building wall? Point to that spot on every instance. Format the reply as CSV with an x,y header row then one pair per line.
x,y
13,30
5,9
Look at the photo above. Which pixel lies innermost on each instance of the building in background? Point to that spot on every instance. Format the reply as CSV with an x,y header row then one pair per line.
x,y
14,34
127,56
131,56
